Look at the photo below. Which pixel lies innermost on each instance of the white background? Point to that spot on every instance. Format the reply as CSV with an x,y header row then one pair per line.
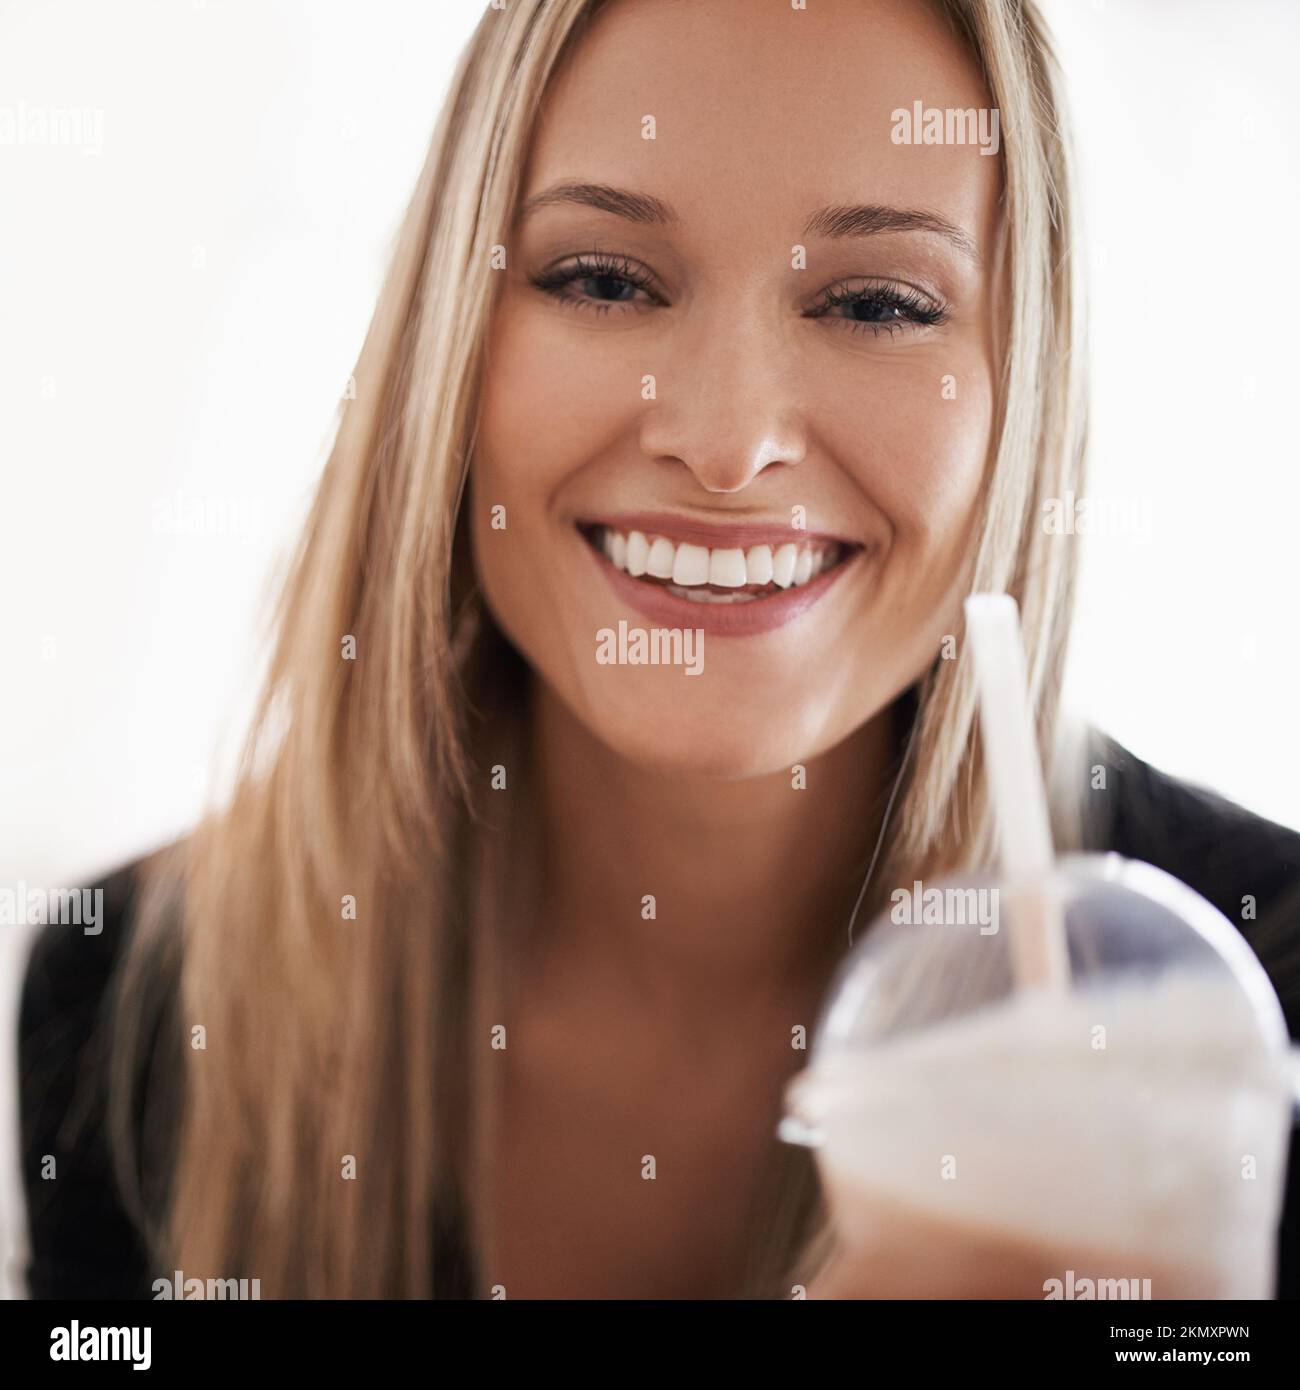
x,y
180,310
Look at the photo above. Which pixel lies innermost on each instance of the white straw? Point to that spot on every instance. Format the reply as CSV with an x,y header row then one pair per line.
x,y
1016,786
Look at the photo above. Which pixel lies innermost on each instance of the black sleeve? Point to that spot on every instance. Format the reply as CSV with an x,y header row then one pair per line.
x,y
1228,855
83,1243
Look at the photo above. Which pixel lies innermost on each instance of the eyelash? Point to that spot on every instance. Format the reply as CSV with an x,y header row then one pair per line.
x,y
908,307
597,265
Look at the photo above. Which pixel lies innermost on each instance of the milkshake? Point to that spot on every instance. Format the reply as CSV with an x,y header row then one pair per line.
x,y
1070,1075
1132,1132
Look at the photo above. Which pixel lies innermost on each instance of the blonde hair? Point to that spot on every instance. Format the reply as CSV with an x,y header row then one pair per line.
x,y
329,1038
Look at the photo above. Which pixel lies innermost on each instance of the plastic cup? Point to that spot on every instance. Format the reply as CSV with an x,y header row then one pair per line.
x,y
1128,1132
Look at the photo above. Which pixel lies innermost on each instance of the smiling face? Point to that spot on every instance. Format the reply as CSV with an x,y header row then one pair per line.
x,y
741,376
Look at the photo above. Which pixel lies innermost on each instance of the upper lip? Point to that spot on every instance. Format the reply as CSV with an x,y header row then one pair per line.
x,y
714,535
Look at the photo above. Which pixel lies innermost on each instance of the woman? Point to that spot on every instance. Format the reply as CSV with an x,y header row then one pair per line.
x,y
484,982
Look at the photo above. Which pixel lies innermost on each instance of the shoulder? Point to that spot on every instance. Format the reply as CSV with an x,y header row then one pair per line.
x,y
82,1242
1246,865
70,966
1223,845
1243,863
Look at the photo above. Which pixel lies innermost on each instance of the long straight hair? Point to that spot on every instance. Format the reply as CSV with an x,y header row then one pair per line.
x,y
323,929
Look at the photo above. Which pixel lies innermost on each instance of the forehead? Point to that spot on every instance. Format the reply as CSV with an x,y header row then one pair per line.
x,y
766,112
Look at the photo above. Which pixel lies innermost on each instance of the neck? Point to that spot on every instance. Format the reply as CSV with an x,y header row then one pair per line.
x,y
752,881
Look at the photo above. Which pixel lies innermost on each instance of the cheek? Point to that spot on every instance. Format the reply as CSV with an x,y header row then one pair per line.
x,y
552,405
551,399
923,438
539,414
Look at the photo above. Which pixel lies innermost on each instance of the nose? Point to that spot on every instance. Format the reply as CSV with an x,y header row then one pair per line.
x,y
726,411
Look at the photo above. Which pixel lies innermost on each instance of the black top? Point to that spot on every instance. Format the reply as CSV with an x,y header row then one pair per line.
x,y
84,1245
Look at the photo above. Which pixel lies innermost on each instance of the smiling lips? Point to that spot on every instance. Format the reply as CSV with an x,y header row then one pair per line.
x,y
772,581
721,575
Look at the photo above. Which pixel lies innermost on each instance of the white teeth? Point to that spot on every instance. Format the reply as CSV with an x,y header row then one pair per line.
x,y
638,548
708,596
783,565
695,570
691,565
758,565
727,569
660,560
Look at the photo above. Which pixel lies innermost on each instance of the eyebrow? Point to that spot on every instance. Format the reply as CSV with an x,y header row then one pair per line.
x,y
622,202
871,218
862,220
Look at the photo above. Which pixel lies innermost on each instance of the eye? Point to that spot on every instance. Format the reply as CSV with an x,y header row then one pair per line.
x,y
599,281
878,308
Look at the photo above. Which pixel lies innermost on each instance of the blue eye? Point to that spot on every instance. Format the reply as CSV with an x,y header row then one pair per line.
x,y
880,308
600,281
607,287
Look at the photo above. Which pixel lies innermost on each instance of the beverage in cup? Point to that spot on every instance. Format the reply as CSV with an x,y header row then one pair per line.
x,y
1131,1127
1069,1075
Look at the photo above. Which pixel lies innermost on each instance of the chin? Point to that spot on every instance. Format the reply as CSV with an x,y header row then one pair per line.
x,y
685,752
678,733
